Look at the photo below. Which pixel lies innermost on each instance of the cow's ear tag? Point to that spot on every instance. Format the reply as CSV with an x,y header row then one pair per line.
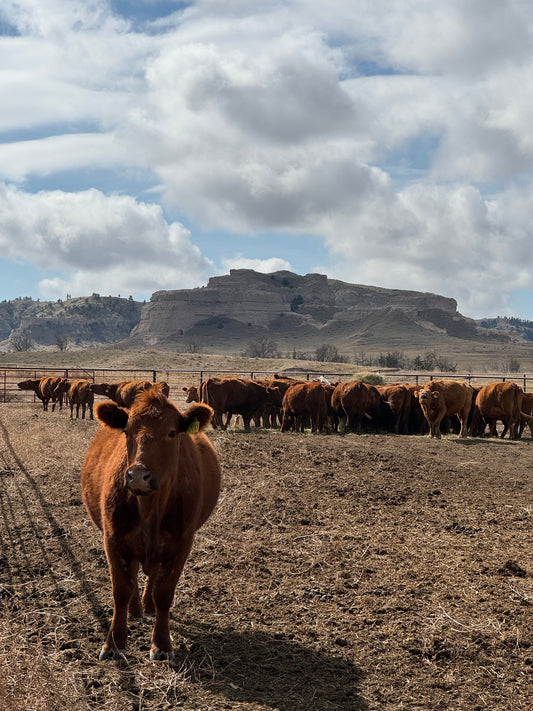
x,y
194,427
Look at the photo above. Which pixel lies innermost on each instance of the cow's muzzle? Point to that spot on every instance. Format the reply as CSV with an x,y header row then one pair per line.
x,y
140,480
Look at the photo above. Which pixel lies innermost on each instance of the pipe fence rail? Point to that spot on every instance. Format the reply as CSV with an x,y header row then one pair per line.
x,y
179,379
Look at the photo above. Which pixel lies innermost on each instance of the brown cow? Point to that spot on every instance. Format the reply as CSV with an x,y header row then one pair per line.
x,y
235,396
418,424
526,409
302,402
148,492
350,401
194,393
439,398
498,401
81,395
125,391
60,393
398,398
44,388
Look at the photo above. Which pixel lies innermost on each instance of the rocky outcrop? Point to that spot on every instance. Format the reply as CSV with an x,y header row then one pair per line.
x,y
298,311
82,321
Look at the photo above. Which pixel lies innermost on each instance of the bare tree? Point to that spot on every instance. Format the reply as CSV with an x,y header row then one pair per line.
x,y
262,347
62,342
21,341
192,346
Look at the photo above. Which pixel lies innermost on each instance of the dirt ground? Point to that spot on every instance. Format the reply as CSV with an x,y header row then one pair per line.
x,y
338,572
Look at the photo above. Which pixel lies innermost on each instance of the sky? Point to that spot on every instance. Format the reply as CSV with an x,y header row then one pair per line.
x,y
150,145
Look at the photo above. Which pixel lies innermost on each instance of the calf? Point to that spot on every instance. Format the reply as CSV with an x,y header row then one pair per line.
x,y
440,398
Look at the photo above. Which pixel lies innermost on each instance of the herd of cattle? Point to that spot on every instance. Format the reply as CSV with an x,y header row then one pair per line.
x,y
80,393
439,406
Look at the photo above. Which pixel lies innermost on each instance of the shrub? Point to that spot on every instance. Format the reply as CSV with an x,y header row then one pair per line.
x,y
369,378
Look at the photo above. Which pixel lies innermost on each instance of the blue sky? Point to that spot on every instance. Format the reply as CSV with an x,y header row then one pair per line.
x,y
149,145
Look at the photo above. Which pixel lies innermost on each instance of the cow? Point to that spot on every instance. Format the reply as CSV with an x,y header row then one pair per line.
x,y
194,393
148,492
235,396
60,393
125,391
440,398
350,400
418,424
80,394
47,388
302,402
498,401
398,398
526,409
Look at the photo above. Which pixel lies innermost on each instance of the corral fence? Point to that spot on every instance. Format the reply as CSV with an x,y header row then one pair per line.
x,y
179,379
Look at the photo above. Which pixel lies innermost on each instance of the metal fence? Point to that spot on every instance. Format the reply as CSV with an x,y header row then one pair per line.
x,y
179,379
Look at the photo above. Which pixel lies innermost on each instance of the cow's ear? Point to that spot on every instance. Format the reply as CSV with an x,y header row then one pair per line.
x,y
196,418
110,414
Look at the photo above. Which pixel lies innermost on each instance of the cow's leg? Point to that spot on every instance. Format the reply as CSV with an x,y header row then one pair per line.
x,y
124,583
463,417
71,409
163,588
83,408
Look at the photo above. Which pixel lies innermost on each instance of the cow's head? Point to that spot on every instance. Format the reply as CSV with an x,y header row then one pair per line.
x,y
154,428
30,384
428,397
193,394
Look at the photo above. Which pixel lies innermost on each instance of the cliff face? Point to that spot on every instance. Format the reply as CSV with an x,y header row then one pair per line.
x,y
82,321
298,311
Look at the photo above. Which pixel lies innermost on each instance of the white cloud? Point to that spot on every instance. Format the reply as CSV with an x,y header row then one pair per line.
x,y
98,240
265,266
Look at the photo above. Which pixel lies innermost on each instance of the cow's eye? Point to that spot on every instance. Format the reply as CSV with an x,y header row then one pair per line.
x,y
172,434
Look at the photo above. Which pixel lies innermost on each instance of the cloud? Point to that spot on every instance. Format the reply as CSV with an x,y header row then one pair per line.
x,y
265,266
114,242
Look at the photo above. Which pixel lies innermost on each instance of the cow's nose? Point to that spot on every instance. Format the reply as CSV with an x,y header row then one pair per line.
x,y
139,480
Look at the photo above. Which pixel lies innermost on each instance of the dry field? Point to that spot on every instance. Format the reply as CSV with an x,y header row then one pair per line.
x,y
357,572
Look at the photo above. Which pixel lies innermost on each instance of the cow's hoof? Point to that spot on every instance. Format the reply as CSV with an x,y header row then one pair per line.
x,y
106,653
160,656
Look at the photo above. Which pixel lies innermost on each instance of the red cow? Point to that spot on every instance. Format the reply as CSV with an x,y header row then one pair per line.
x,y
417,421
498,401
148,492
398,398
194,393
440,398
235,396
305,402
60,393
44,388
125,392
526,409
350,401
81,395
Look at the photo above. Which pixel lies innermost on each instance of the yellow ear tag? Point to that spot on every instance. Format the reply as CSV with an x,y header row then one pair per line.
x,y
194,427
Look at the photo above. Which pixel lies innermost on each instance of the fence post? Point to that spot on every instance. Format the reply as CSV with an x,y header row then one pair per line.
x,y
154,376
525,382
